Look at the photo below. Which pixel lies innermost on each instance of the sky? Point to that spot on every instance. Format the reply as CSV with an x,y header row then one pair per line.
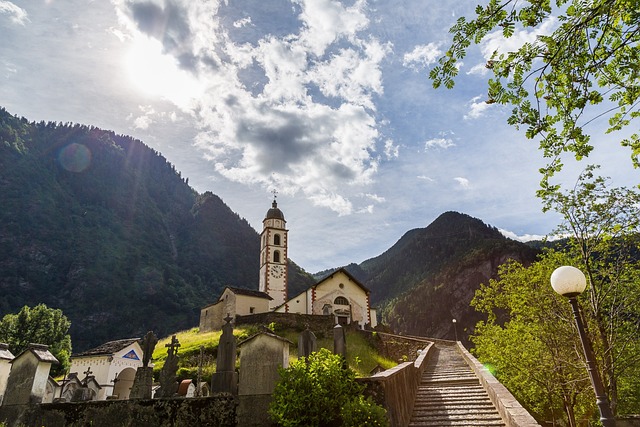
x,y
326,102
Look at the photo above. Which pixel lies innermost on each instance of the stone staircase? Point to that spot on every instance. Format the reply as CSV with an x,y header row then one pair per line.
x,y
450,394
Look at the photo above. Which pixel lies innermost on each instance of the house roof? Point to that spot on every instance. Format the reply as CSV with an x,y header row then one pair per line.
x,y
107,348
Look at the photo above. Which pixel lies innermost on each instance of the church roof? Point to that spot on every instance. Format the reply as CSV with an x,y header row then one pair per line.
x,y
274,212
108,348
346,273
249,292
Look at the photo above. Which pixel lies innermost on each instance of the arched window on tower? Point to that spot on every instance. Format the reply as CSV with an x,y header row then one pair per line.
x,y
276,256
341,301
276,239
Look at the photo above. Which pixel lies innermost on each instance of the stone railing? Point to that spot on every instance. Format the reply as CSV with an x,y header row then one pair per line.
x,y
513,414
396,388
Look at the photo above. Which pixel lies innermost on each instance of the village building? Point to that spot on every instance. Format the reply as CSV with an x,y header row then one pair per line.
x,y
112,365
338,294
232,302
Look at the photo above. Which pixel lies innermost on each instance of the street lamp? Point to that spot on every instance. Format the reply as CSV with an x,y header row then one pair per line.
x,y
455,328
570,282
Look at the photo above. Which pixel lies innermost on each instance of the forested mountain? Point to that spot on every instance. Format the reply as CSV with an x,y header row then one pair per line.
x,y
430,275
104,228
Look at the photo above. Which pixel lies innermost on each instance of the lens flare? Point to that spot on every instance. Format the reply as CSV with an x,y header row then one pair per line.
x,y
74,157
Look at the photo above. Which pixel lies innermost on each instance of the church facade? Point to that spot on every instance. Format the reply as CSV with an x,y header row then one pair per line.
x,y
338,294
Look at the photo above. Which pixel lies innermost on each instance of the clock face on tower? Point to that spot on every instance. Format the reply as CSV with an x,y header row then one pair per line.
x,y
277,271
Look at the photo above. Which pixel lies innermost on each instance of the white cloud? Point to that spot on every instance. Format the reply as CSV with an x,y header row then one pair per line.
x,y
421,56
495,41
375,198
242,22
439,143
477,108
426,178
464,182
17,15
522,238
278,132
390,149
143,122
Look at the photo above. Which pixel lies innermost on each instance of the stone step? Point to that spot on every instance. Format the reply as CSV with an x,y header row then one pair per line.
x,y
450,394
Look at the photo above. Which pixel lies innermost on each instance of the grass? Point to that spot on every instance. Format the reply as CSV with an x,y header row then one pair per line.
x,y
361,356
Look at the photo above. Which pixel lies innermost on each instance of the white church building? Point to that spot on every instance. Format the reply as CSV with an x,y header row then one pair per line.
x,y
338,294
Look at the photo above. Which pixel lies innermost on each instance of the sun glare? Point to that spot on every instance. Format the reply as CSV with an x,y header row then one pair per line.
x,y
158,74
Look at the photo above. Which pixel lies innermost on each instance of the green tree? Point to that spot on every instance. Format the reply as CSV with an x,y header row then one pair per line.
x,y
529,333
40,325
588,66
604,225
320,392
529,342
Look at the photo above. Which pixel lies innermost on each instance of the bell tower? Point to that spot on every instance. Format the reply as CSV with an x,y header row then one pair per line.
x,y
273,256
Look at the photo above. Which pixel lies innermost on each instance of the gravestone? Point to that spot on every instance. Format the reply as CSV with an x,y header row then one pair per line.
x,y
339,341
168,379
261,357
306,343
5,367
27,381
225,380
143,380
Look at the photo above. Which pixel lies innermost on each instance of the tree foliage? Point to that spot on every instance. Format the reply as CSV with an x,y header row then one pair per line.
x,y
38,325
319,391
604,228
587,66
529,335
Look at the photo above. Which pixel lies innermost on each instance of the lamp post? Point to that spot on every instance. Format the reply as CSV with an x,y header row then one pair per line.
x,y
570,282
455,328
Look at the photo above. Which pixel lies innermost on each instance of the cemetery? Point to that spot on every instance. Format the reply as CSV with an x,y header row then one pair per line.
x,y
235,396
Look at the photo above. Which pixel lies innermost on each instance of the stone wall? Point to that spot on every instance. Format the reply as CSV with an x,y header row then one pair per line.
x,y
215,411
396,388
322,326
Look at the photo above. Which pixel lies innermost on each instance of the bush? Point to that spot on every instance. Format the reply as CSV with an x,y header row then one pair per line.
x,y
320,392
363,412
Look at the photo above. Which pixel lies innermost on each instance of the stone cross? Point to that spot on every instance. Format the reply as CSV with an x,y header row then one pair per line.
x,y
226,361
148,345
225,380
87,373
168,384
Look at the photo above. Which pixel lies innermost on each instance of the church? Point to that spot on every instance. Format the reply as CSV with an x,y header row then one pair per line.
x,y
339,294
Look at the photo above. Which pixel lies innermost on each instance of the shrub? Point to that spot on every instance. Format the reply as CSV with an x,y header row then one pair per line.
x,y
315,393
363,412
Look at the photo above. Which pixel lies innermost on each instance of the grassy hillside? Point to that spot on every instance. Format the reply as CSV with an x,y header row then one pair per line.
x,y
361,356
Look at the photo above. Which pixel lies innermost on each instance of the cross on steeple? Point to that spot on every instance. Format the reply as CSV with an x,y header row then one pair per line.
x,y
275,194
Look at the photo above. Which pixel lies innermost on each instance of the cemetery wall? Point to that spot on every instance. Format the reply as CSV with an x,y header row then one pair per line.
x,y
216,411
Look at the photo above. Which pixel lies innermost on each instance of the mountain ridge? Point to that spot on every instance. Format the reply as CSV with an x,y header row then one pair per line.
x,y
105,228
